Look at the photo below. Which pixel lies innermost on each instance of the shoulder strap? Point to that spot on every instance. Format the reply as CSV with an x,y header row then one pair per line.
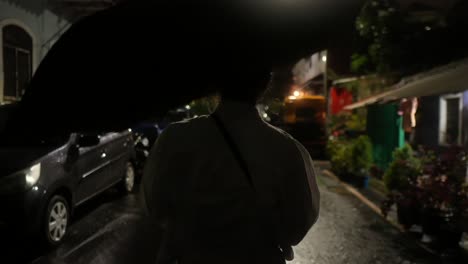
x,y
234,149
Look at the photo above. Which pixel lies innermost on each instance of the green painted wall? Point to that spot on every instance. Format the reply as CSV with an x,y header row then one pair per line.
x,y
384,127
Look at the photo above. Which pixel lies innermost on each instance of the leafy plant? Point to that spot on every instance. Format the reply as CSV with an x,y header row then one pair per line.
x,y
340,152
443,185
361,156
428,184
403,171
357,122
350,157
390,39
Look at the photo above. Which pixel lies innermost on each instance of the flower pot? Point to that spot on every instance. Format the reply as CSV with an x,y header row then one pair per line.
x,y
364,182
431,222
451,231
407,214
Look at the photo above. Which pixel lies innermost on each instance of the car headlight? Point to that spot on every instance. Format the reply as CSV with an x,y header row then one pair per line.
x,y
32,175
21,180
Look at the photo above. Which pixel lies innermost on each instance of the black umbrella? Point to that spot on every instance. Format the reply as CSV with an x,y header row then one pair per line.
x,y
141,58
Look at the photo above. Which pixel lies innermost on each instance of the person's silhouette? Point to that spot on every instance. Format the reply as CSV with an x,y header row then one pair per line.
x,y
213,205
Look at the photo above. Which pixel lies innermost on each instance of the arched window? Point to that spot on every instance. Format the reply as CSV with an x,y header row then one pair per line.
x,y
17,61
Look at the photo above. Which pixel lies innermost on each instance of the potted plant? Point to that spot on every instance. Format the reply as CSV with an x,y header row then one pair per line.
x,y
401,180
340,157
361,160
445,198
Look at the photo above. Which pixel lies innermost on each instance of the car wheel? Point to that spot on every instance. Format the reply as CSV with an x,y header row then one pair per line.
x,y
57,218
128,182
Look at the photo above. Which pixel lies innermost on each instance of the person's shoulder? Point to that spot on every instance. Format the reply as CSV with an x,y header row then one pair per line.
x,y
280,133
294,147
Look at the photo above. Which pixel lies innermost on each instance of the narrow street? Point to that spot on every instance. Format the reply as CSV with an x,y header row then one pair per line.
x,y
109,230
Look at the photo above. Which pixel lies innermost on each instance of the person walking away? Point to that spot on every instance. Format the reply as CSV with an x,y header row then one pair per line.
x,y
213,202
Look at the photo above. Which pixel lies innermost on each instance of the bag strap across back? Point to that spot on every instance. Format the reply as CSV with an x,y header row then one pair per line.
x,y
234,149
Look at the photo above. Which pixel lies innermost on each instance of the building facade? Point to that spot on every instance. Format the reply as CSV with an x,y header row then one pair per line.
x,y
28,29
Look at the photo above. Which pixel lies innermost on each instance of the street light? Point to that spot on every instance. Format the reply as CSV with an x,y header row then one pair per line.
x,y
297,93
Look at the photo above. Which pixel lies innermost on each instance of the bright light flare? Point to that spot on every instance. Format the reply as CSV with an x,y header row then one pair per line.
x,y
32,176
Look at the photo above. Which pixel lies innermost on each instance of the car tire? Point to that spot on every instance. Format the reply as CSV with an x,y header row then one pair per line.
x,y
127,185
56,220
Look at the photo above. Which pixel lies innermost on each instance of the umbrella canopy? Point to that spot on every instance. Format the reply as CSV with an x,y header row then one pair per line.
x,y
140,58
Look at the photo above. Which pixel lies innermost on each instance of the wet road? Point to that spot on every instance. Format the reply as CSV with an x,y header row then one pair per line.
x,y
110,230
349,232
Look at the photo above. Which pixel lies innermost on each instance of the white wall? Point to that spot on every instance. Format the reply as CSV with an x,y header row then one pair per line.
x,y
40,23
309,68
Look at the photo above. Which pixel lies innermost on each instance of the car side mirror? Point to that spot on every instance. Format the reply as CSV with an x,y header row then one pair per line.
x,y
84,141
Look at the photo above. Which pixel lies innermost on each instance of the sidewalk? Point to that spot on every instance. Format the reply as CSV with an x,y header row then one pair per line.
x,y
373,197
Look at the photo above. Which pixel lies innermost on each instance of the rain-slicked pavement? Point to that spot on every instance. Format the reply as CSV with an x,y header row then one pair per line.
x,y
109,231
350,232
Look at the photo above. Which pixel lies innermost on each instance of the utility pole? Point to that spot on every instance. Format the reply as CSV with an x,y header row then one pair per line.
x,y
325,87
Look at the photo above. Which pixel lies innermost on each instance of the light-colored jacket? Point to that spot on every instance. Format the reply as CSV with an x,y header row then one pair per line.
x,y
194,186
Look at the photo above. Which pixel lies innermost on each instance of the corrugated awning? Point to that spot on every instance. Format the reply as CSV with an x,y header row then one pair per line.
x,y
451,78
368,101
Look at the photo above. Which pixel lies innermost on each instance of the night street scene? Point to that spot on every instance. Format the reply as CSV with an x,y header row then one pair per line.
x,y
218,131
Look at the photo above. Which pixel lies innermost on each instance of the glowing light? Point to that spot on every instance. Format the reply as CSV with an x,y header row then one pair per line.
x,y
265,115
428,28
292,97
296,93
187,107
32,176
324,58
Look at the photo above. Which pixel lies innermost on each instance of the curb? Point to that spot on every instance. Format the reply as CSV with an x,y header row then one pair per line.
x,y
363,199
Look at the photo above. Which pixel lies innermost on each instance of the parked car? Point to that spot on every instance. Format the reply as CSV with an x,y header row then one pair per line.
x,y
144,135
43,180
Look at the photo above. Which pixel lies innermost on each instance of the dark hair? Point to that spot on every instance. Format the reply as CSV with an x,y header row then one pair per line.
x,y
246,86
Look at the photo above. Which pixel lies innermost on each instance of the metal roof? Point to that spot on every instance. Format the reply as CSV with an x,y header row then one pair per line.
x,y
451,78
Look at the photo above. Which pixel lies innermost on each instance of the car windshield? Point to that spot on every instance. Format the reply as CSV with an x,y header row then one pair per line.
x,y
339,131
